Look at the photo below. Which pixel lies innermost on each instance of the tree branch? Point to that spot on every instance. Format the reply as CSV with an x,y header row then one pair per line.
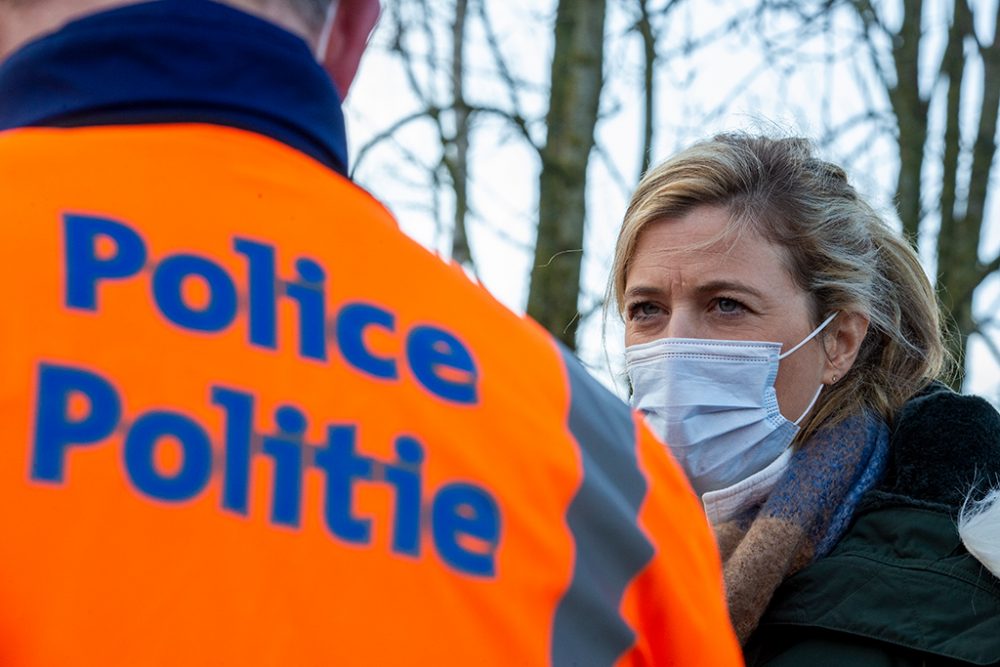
x,y
512,85
644,27
991,345
950,73
984,149
516,120
872,23
690,44
987,269
457,150
397,46
389,132
612,168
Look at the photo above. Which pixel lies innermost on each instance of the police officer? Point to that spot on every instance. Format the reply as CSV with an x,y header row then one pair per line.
x,y
247,421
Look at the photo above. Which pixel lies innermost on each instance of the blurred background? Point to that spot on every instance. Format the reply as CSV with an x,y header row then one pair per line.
x,y
507,135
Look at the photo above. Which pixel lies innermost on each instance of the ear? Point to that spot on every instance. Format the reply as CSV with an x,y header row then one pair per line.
x,y
346,39
842,343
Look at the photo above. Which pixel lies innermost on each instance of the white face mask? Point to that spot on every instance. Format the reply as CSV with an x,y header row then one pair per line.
x,y
713,403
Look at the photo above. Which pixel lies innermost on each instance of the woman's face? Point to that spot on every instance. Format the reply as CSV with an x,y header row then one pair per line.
x,y
678,288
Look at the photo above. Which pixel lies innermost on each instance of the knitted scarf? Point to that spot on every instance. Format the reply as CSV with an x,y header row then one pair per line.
x,y
802,518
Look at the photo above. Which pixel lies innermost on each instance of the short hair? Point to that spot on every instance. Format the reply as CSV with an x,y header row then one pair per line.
x,y
838,249
313,11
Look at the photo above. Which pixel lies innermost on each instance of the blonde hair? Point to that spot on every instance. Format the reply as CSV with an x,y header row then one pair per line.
x,y
838,249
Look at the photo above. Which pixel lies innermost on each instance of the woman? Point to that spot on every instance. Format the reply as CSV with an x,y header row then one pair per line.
x,y
785,342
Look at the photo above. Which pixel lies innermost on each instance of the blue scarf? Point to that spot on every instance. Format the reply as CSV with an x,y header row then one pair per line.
x,y
803,517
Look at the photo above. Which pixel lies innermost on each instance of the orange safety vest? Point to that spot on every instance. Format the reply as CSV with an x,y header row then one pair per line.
x,y
246,421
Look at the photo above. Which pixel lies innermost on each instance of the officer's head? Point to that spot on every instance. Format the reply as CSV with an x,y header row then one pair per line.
x,y
336,29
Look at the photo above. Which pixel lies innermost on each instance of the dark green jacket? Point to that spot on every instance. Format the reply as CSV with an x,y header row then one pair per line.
x,y
900,589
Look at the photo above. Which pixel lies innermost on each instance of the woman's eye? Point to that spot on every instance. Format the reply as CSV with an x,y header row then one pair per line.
x,y
729,306
643,309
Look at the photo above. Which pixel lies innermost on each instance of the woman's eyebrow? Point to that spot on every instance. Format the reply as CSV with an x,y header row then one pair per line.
x,y
643,290
728,286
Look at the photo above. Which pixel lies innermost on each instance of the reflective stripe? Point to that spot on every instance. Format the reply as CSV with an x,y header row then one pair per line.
x,y
611,549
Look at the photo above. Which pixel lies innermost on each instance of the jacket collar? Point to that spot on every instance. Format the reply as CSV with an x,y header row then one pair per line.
x,y
723,504
177,61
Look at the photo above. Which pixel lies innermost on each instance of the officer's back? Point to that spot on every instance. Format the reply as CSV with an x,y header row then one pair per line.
x,y
249,422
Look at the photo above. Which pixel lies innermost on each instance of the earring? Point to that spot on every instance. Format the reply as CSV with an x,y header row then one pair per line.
x,y
834,380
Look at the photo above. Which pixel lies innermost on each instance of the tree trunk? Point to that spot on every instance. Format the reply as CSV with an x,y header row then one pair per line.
x,y
645,28
952,249
457,154
577,77
910,109
959,269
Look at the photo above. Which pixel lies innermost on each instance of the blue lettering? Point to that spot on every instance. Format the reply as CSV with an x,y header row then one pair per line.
x,y
438,360
77,408
84,269
239,429
461,513
311,298
55,429
286,450
405,476
263,308
442,364
354,319
168,282
343,466
140,447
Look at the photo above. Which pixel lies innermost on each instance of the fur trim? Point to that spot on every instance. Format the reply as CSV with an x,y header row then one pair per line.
x,y
979,528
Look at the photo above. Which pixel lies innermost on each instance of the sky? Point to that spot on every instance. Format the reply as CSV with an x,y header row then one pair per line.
x,y
726,85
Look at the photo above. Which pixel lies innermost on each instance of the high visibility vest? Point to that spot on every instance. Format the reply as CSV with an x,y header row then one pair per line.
x,y
246,421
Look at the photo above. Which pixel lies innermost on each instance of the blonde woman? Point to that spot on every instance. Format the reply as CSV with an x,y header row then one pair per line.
x,y
785,342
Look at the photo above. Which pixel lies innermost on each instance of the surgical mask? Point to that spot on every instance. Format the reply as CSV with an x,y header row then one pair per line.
x,y
713,402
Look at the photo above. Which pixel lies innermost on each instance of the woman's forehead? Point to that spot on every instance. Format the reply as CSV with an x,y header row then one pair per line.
x,y
702,246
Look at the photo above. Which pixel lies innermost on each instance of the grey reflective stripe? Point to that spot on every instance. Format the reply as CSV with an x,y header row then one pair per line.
x,y
610,547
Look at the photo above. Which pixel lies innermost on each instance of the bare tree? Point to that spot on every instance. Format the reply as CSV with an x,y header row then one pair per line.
x,y
577,78
925,103
968,149
935,68
417,28
456,157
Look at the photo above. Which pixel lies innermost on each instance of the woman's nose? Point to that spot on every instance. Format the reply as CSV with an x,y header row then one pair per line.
x,y
681,325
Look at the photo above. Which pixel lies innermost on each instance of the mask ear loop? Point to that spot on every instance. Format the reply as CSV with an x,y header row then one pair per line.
x,y
809,337
801,343
810,406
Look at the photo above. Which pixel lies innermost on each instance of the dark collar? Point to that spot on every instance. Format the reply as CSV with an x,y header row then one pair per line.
x,y
177,61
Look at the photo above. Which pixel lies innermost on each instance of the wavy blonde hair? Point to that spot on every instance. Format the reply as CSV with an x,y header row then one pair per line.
x,y
837,248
